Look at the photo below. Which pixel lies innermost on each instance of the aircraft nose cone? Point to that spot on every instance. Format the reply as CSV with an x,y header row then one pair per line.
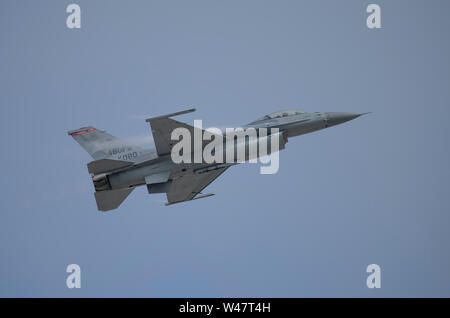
x,y
339,118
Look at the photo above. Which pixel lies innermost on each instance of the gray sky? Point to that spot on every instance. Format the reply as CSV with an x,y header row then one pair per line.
x,y
374,190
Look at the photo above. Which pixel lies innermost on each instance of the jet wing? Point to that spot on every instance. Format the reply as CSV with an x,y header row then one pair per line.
x,y
162,127
188,186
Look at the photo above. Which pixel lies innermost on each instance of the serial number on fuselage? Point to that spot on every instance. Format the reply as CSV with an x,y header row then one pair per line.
x,y
121,153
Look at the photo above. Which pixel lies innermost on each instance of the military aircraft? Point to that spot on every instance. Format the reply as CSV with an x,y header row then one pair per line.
x,y
120,166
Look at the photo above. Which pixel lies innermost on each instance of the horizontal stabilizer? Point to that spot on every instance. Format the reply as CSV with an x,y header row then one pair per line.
x,y
105,165
111,199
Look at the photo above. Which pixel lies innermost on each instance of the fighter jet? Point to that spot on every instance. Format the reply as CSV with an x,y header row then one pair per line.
x,y
120,166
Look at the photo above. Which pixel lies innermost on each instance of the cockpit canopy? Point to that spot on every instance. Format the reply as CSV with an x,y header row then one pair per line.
x,y
280,114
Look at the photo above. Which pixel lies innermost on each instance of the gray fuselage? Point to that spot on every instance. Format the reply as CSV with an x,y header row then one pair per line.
x,y
289,123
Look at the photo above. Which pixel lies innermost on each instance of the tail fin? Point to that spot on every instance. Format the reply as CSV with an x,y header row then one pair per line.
x,y
100,145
